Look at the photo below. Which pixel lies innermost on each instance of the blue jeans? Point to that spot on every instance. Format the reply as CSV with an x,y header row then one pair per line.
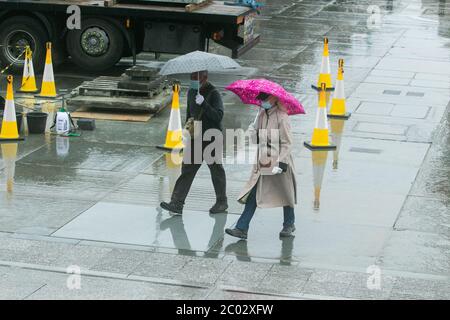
x,y
250,208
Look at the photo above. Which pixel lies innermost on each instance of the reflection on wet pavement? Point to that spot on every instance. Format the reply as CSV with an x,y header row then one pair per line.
x,y
319,159
135,225
9,156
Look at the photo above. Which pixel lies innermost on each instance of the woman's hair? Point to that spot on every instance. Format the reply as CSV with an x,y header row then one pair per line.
x,y
262,96
281,106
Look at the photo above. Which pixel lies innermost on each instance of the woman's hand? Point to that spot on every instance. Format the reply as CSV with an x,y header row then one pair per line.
x,y
277,170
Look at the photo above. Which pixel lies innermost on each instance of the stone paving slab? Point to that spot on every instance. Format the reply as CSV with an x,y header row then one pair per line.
x,y
142,134
38,215
371,177
320,288
237,165
219,294
314,241
432,182
431,84
112,289
32,144
423,54
291,272
262,54
202,271
424,215
95,156
370,127
64,183
161,266
82,256
402,64
282,285
358,288
417,252
244,274
132,224
150,190
121,261
16,288
378,151
381,93
399,113
42,253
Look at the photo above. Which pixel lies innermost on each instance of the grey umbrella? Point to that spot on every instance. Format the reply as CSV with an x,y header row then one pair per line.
x,y
198,61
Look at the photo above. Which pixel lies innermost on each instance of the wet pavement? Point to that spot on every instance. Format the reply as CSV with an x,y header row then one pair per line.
x,y
92,201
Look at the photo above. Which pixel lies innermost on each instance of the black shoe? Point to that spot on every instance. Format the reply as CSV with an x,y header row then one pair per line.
x,y
238,233
287,231
172,207
219,207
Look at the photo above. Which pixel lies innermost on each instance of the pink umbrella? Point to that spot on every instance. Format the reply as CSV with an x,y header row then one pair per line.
x,y
248,91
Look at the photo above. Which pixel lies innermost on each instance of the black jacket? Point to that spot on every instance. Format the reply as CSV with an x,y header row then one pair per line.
x,y
213,107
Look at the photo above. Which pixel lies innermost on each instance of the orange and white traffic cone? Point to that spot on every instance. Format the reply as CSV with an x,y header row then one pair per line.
x,y
29,79
10,131
320,136
319,159
337,128
325,73
174,137
9,155
48,89
337,109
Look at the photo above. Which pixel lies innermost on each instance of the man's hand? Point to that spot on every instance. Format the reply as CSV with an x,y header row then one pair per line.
x,y
199,99
277,170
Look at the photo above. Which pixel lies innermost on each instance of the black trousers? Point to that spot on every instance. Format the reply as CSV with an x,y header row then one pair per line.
x,y
188,172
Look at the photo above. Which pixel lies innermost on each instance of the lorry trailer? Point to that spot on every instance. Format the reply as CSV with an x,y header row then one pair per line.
x,y
109,30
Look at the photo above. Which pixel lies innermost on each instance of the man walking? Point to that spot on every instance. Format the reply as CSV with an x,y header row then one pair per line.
x,y
205,105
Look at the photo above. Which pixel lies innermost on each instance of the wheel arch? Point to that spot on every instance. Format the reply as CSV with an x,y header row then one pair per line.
x,y
41,18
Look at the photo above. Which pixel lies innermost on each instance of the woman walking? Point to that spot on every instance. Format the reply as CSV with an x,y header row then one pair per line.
x,y
272,182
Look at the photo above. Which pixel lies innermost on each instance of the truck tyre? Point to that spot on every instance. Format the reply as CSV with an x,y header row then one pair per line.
x,y
97,46
15,34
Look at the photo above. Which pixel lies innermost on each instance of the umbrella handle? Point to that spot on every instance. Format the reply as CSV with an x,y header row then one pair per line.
x,y
258,111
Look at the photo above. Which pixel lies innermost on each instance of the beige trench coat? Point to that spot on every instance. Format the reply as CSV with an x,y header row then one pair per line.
x,y
275,144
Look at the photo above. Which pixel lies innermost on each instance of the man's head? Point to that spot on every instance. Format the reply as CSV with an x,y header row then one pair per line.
x,y
201,77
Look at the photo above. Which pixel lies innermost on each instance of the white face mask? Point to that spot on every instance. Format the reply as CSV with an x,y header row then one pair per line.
x,y
266,105
195,84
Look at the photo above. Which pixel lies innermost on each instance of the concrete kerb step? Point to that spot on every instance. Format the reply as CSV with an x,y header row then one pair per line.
x,y
302,296
101,274
301,265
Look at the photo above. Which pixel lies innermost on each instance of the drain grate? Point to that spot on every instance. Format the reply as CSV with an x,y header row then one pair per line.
x,y
415,94
392,92
365,150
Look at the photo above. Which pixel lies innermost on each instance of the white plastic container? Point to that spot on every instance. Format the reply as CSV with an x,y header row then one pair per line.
x,y
62,122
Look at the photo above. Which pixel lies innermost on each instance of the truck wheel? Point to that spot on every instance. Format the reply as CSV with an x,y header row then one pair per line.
x,y
17,33
97,46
